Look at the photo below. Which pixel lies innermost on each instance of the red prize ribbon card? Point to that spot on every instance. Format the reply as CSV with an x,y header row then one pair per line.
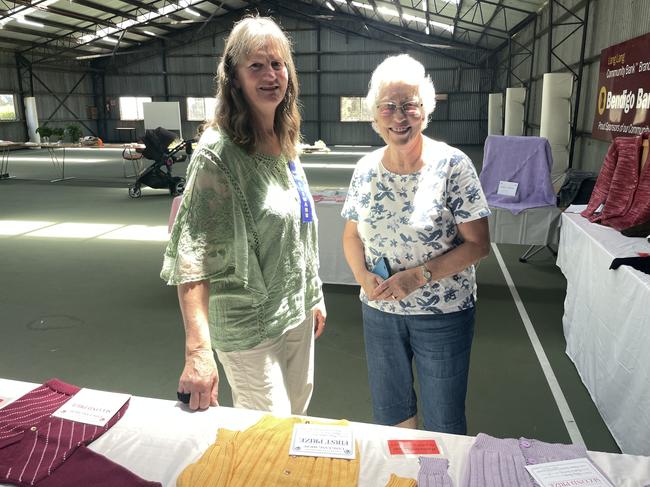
x,y
413,447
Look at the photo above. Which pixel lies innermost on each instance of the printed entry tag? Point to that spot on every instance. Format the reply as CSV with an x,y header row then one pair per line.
x,y
92,407
315,440
507,188
568,472
413,447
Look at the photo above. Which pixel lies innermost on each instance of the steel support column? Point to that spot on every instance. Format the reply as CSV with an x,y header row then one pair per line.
x,y
99,98
569,20
574,121
318,85
164,69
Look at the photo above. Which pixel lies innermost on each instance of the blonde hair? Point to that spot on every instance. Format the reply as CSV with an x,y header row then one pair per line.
x,y
233,114
401,69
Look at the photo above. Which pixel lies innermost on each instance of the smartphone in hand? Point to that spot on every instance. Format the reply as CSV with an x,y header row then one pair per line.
x,y
381,268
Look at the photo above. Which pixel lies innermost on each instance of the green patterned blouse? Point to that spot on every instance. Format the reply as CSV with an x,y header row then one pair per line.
x,y
239,227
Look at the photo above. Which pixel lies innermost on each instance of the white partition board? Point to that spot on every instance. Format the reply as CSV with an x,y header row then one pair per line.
x,y
166,114
515,111
495,114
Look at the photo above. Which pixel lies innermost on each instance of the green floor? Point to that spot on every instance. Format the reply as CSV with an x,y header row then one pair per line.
x,y
94,312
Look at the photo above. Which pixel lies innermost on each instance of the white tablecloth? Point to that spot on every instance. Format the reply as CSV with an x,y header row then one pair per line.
x,y
607,326
157,439
333,266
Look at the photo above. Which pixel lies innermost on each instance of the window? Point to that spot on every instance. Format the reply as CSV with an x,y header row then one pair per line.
x,y
200,109
7,107
131,107
353,109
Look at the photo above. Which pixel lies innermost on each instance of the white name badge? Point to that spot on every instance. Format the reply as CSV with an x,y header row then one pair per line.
x,y
315,440
91,407
507,188
568,473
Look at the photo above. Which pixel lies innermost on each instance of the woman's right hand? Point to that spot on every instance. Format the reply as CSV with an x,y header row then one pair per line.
x,y
369,282
201,379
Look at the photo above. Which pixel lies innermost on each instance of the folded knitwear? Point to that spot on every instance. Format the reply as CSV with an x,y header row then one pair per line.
x,y
498,462
526,161
259,455
432,473
39,449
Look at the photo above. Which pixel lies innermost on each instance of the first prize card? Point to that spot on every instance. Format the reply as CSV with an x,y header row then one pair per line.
x,y
92,407
315,440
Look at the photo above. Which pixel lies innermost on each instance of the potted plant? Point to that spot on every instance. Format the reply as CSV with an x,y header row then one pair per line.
x,y
73,132
45,132
57,134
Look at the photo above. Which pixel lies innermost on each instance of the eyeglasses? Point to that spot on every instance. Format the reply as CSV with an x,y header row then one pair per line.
x,y
409,108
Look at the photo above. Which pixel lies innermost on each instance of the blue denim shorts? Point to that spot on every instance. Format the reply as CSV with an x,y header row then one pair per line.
x,y
440,345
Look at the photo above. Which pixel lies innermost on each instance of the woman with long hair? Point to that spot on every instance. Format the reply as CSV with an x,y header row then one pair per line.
x,y
243,251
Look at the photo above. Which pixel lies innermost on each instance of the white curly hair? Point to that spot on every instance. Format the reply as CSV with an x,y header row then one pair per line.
x,y
401,69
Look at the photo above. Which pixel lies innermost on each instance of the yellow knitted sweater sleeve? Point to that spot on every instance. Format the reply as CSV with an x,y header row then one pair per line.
x,y
395,481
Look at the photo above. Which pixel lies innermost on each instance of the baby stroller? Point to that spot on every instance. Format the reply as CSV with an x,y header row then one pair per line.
x,y
159,174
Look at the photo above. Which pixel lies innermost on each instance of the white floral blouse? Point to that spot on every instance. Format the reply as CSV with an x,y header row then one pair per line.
x,y
412,218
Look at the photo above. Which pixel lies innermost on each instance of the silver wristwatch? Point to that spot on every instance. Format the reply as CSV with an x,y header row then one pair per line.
x,y
426,273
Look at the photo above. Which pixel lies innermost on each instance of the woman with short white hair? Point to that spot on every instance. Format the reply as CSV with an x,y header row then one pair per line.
x,y
417,206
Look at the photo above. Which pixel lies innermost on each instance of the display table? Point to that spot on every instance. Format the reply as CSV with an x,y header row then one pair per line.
x,y
157,439
607,326
57,153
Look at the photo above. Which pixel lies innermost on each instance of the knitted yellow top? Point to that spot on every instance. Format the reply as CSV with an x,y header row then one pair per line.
x,y
259,456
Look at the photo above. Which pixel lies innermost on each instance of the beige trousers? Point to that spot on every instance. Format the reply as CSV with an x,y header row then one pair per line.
x,y
277,375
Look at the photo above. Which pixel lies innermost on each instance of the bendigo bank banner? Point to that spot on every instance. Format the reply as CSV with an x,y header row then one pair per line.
x,y
623,90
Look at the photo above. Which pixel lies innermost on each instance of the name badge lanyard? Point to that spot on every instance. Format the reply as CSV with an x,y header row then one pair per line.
x,y
305,203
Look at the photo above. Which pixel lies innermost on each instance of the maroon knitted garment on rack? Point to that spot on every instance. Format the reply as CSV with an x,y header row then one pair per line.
x,y
621,189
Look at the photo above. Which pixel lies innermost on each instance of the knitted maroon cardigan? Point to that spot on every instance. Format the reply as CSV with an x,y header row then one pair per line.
x,y
37,449
621,189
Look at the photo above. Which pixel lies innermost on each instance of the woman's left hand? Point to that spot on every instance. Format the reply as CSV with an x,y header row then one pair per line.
x,y
398,286
320,315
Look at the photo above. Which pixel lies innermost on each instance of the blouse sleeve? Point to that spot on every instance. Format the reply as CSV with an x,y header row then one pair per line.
x,y
201,242
465,197
354,197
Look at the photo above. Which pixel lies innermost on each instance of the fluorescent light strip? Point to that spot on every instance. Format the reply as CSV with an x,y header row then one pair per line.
x,y
192,12
141,19
19,15
362,5
387,11
21,20
440,25
89,56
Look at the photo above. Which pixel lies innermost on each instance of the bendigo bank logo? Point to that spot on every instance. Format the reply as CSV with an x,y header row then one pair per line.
x,y
626,101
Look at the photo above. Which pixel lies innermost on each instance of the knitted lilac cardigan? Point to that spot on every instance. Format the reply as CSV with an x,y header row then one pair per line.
x,y
500,462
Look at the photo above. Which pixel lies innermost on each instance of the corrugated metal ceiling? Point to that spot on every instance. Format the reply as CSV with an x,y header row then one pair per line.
x,y
49,31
